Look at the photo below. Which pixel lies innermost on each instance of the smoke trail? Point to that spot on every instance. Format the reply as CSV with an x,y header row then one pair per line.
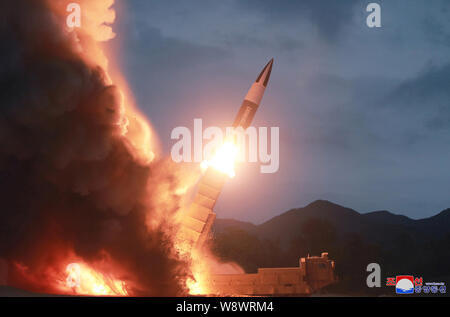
x,y
73,173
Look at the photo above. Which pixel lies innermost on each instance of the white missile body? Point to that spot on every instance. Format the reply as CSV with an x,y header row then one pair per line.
x,y
253,98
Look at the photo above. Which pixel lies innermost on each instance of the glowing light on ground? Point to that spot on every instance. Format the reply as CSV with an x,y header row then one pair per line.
x,y
84,280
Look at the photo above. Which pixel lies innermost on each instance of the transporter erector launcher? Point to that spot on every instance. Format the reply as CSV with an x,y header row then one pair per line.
x,y
199,218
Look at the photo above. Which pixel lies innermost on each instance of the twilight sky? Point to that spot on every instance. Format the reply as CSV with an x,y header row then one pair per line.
x,y
364,114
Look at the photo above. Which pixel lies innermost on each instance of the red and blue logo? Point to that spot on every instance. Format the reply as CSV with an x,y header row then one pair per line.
x,y
404,284
408,284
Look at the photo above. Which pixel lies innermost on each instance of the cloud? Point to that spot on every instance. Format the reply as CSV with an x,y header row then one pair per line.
x,y
435,24
328,16
150,47
427,95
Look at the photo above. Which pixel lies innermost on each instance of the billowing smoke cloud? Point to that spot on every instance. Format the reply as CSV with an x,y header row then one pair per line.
x,y
72,176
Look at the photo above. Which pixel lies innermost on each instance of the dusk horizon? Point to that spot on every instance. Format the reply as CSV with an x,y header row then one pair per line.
x,y
333,203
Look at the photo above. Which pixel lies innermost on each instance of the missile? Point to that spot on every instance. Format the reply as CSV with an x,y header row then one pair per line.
x,y
199,218
253,98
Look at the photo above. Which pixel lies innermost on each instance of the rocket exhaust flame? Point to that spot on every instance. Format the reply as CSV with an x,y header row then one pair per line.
x,y
224,159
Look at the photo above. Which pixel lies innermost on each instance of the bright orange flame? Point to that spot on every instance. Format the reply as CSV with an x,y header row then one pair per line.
x,y
84,280
202,262
69,274
224,159
204,265
195,287
198,284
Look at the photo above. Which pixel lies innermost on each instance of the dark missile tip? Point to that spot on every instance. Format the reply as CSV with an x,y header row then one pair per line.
x,y
265,74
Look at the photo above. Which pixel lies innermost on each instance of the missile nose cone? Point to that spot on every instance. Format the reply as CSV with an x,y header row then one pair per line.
x,y
264,76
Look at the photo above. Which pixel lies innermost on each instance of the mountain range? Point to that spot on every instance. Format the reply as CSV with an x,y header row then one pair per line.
x,y
377,226
401,245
